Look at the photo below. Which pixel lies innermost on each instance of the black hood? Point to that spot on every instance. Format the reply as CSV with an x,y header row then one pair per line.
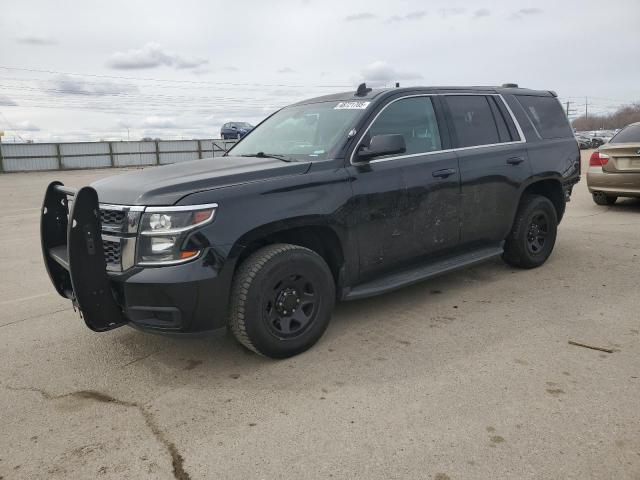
x,y
167,184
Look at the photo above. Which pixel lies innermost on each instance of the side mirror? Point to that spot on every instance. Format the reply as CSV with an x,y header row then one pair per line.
x,y
382,145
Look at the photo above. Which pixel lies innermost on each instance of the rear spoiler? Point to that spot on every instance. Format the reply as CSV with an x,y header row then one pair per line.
x,y
74,257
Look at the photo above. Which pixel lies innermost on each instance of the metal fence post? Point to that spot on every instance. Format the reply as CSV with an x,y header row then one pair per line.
x,y
157,153
199,149
111,154
59,157
1,159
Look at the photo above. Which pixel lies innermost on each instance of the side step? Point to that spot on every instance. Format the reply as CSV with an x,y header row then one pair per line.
x,y
401,279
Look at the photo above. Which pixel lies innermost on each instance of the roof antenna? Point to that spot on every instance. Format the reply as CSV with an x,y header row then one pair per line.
x,y
362,90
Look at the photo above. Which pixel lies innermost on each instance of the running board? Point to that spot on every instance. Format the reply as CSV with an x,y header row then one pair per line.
x,y
422,272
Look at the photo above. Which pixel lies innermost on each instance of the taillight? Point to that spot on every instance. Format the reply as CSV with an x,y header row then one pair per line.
x,y
598,159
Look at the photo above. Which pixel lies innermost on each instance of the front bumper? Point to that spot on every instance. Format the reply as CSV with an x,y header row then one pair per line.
x,y
620,184
189,297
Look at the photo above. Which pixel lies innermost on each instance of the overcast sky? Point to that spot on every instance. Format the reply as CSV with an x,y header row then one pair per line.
x,y
82,70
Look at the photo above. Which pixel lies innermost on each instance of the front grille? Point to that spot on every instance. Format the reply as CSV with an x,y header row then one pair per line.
x,y
119,226
112,253
113,219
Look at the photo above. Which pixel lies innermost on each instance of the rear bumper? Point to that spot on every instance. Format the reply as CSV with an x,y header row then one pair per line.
x,y
185,298
621,184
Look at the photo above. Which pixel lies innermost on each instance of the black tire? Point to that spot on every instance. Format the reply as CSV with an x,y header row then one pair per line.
x,y
281,300
533,234
602,199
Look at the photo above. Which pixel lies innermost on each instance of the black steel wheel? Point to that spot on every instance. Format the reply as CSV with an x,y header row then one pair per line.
x,y
281,300
538,232
291,307
533,235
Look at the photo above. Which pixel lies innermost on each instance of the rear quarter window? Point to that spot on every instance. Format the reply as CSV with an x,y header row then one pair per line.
x,y
546,115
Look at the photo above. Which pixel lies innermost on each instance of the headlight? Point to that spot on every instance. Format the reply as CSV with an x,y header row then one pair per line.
x,y
164,230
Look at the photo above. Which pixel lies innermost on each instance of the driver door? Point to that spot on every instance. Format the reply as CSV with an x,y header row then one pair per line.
x,y
406,206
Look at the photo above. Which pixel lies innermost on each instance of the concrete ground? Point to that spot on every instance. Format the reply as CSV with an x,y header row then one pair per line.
x,y
468,376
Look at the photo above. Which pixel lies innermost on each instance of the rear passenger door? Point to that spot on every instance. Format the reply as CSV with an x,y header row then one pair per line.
x,y
493,165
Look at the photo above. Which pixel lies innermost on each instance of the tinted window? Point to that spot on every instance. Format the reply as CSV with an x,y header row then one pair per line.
x,y
628,134
473,120
547,116
414,119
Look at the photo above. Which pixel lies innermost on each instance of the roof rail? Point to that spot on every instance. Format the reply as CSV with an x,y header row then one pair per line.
x,y
509,85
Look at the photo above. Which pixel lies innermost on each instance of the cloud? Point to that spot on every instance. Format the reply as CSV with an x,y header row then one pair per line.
x,y
69,85
35,40
359,16
6,101
159,122
285,70
379,73
451,12
27,126
525,12
482,12
152,55
417,15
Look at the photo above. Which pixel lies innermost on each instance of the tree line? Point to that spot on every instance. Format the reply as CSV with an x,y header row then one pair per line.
x,y
618,119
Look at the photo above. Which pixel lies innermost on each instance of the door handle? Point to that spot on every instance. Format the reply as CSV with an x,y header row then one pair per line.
x,y
443,173
515,160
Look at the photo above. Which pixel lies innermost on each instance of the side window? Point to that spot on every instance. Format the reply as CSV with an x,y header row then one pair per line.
x,y
414,118
473,120
546,115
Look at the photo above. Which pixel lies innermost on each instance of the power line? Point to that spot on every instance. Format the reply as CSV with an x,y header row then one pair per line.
x,y
195,82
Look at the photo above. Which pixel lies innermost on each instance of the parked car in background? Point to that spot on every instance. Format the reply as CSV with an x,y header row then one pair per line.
x,y
614,169
600,137
583,141
235,130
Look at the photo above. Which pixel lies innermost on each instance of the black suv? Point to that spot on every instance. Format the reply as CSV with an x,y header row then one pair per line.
x,y
335,198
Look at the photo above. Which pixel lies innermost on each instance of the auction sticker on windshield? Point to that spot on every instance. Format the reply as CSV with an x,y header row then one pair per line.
x,y
351,106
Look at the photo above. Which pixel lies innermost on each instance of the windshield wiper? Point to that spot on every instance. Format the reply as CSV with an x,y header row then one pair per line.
x,y
268,155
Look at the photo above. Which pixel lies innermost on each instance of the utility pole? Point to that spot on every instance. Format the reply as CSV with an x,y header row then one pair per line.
x,y
586,107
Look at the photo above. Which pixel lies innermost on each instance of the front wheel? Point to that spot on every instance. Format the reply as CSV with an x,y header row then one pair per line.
x,y
281,300
533,235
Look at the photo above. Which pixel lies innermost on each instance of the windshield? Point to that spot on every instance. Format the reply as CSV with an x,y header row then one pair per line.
x,y
302,132
629,134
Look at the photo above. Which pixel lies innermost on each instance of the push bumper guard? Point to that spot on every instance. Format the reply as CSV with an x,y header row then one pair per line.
x,y
74,256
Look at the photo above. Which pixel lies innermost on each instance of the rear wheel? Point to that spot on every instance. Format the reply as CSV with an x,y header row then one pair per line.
x,y
281,300
602,199
533,235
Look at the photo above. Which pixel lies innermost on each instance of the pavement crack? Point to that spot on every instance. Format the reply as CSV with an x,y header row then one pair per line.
x,y
177,460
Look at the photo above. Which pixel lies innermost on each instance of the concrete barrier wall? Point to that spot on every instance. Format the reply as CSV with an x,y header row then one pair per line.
x,y
24,157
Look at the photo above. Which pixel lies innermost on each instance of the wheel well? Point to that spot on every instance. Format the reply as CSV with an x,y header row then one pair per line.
x,y
552,189
322,240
